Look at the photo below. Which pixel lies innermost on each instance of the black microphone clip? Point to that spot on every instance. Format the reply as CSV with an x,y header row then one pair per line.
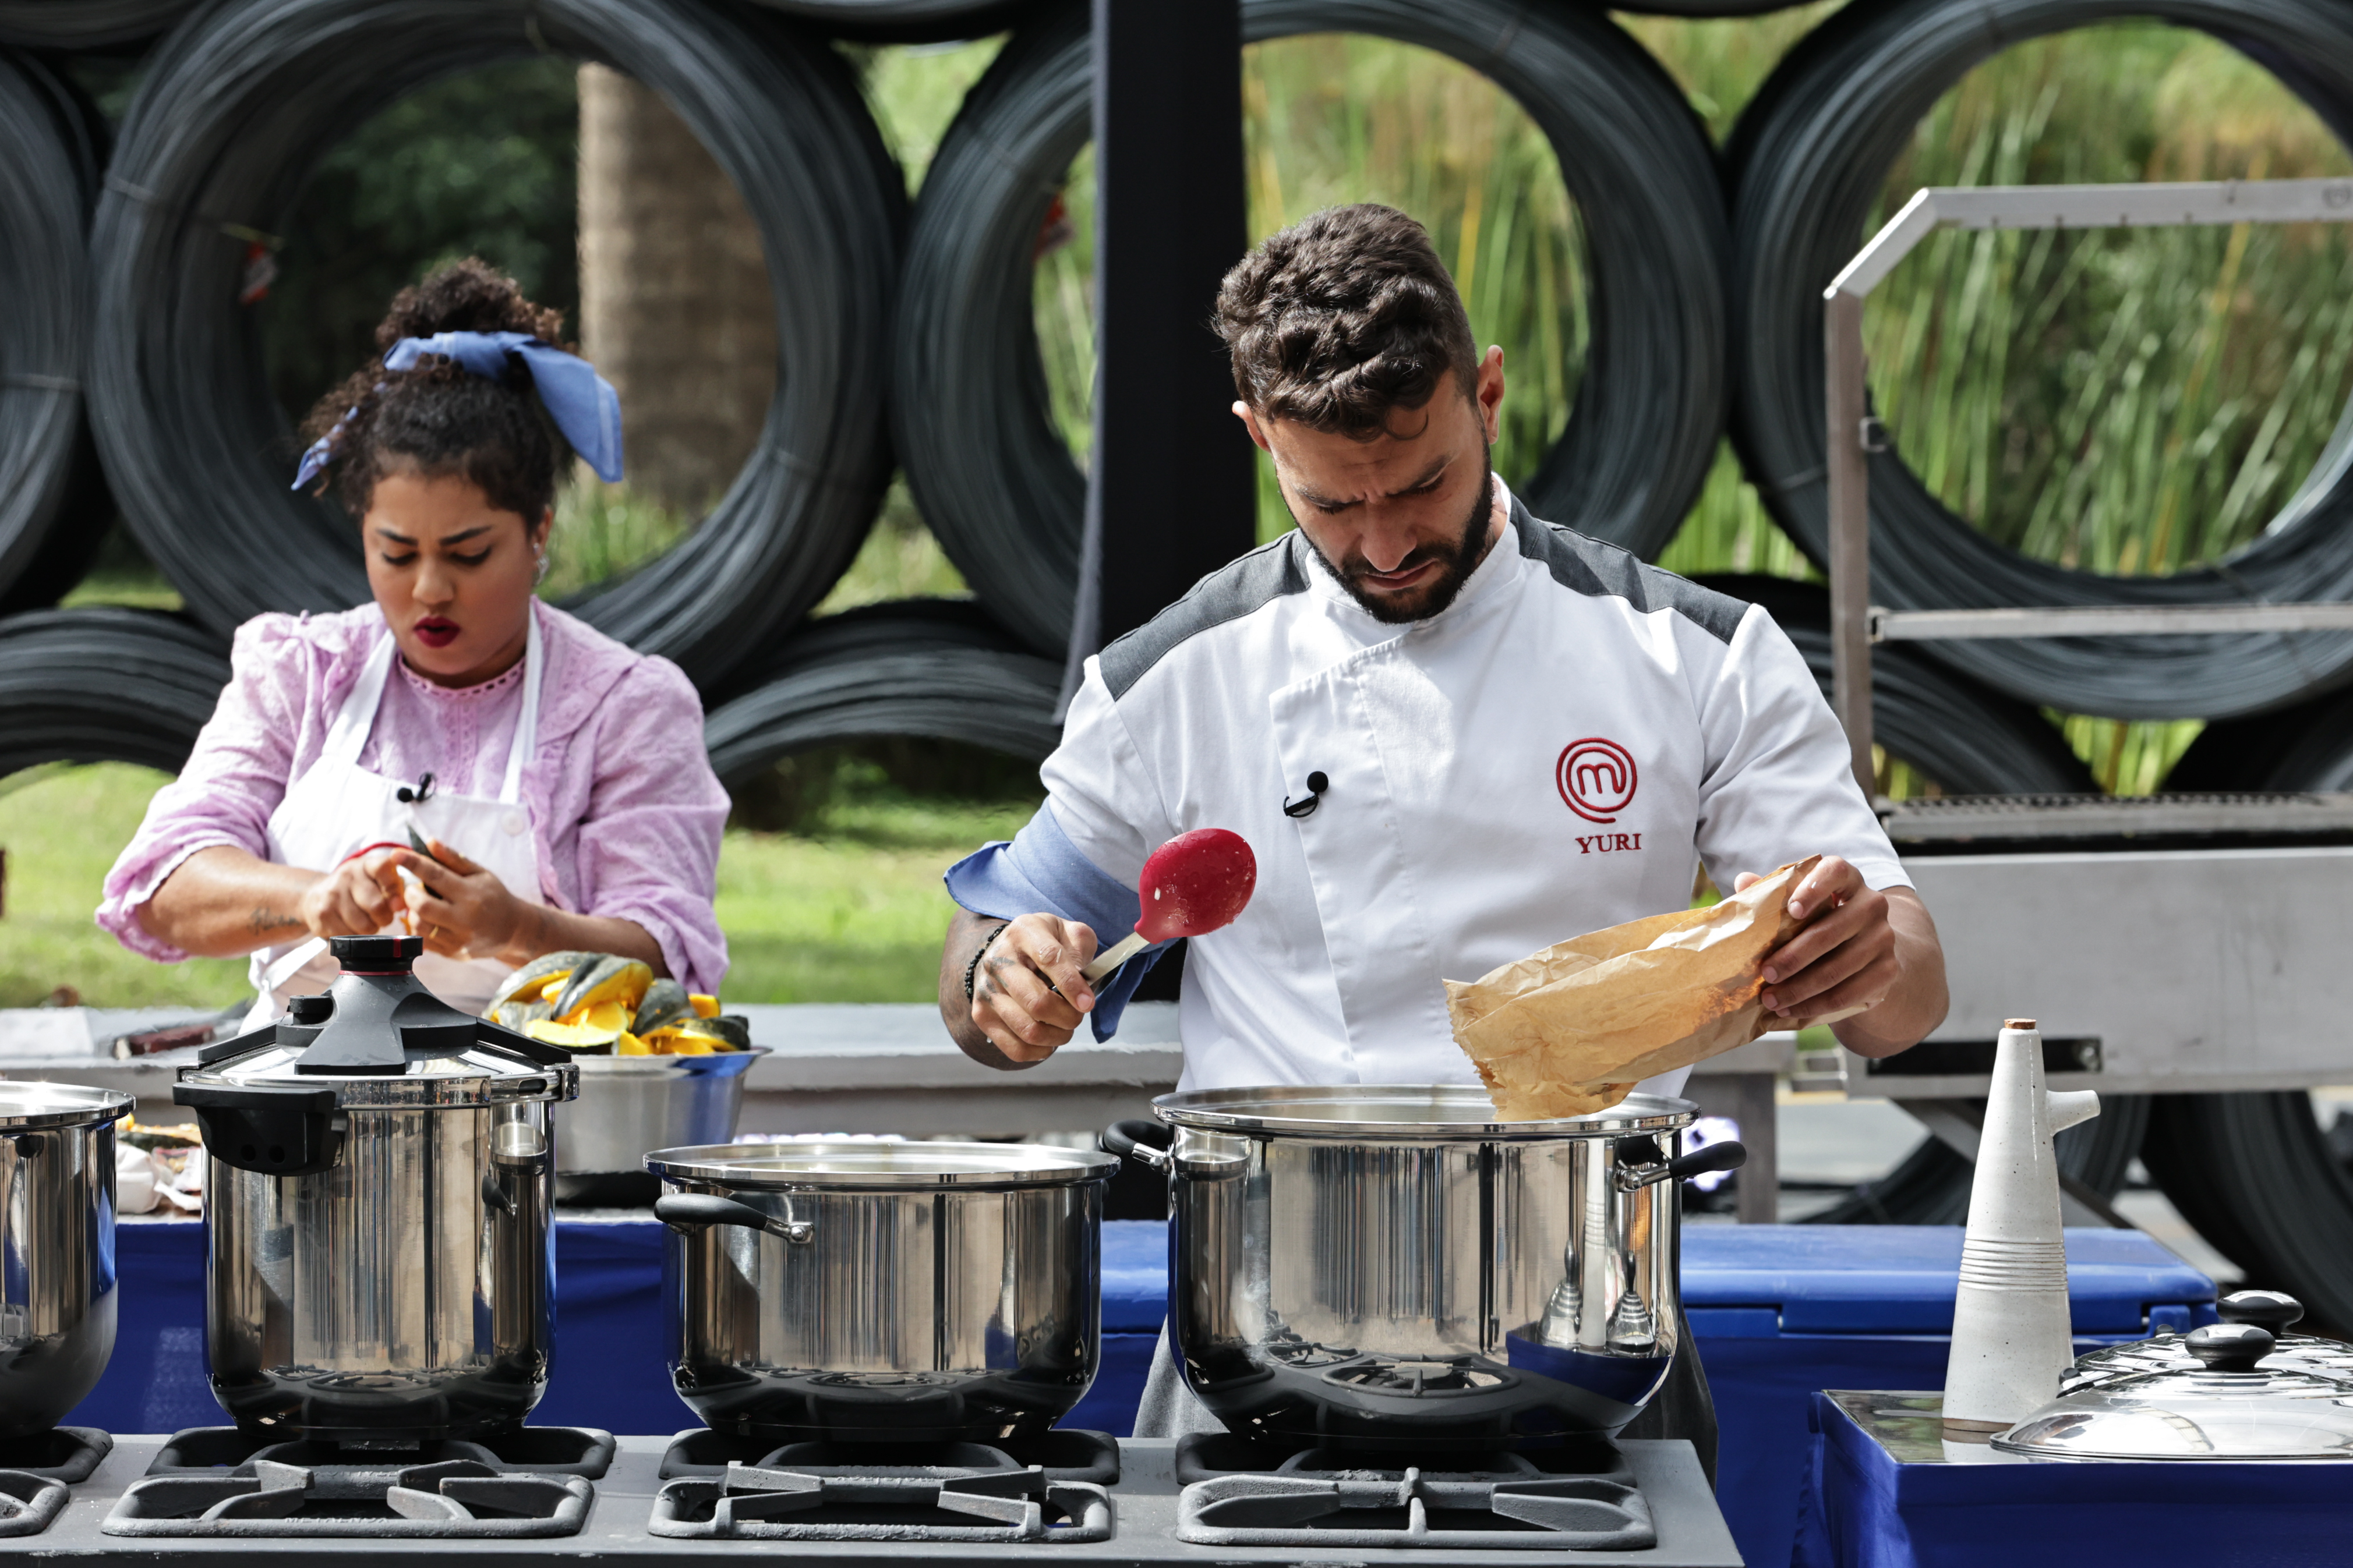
x,y
1317,784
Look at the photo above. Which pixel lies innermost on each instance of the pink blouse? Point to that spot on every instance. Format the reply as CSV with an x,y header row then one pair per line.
x,y
624,811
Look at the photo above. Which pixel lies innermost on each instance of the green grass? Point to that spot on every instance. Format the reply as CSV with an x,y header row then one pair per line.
x,y
855,911
852,911
62,828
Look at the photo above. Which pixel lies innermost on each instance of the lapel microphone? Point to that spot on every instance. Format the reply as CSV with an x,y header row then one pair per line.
x,y
1317,784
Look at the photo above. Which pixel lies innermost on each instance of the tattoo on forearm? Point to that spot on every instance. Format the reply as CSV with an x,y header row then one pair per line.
x,y
265,919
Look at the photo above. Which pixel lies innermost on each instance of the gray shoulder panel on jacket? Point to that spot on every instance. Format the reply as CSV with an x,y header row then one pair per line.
x,y
1584,564
1228,594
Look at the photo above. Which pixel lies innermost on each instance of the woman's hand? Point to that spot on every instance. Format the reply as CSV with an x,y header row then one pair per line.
x,y
358,898
465,912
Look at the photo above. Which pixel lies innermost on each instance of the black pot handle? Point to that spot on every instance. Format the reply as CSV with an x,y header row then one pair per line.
x,y
1146,1143
699,1211
269,1131
1724,1156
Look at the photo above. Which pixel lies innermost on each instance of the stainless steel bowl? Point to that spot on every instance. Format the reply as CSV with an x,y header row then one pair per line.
x,y
1393,1267
630,1106
57,1235
865,1292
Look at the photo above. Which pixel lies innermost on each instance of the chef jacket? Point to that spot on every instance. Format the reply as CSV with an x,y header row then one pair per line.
x,y
1548,755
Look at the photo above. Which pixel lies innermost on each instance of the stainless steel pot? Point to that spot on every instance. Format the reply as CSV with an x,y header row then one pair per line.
x,y
1390,1267
57,1236
861,1291
380,1263
630,1106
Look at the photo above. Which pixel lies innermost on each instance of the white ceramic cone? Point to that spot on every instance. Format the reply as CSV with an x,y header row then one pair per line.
x,y
2010,1337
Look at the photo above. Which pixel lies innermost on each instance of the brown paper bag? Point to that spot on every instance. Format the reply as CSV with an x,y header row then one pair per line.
x,y
1573,1029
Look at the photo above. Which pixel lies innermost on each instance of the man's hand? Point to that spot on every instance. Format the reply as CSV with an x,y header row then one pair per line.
x,y
1859,948
357,898
1028,995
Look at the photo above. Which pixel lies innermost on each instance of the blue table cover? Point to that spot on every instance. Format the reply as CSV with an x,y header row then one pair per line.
x,y
1779,1310
1864,1509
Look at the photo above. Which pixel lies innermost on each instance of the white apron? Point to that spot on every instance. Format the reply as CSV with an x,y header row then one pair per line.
x,y
338,807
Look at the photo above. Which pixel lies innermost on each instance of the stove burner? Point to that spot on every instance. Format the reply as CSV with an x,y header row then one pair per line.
x,y
458,1499
213,1451
29,1503
1072,1455
1580,1499
66,1454
1391,1374
884,1502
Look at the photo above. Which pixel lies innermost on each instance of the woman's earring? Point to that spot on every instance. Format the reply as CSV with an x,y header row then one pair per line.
x,y
539,562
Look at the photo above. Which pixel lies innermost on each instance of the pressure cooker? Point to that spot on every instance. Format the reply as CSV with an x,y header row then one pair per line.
x,y
379,1258
1396,1267
858,1291
56,1231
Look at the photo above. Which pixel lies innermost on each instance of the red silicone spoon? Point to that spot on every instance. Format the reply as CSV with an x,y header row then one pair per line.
x,y
1192,885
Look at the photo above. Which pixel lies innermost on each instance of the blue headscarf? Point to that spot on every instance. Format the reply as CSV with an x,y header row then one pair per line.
x,y
583,404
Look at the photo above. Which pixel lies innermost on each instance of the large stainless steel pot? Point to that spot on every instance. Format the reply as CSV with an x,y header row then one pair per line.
x,y
630,1106
56,1238
380,1262
1390,1267
863,1292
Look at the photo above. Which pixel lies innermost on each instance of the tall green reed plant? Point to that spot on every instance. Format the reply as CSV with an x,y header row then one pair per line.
x,y
1336,118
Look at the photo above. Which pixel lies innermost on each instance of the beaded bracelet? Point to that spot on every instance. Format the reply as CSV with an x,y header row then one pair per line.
x,y
981,952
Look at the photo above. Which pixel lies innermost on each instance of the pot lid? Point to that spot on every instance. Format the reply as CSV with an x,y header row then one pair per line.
x,y
1405,1111
2167,1351
377,1037
854,1165
30,1106
2231,1403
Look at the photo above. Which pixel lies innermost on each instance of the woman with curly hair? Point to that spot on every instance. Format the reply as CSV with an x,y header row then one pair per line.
x,y
455,758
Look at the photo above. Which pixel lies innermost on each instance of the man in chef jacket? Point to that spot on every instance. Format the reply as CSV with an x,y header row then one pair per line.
x,y
1452,733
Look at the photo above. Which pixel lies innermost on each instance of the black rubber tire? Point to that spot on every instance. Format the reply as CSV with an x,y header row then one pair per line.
x,y
53,509
105,685
1971,741
907,21
1807,158
86,24
970,413
2255,1175
935,667
236,109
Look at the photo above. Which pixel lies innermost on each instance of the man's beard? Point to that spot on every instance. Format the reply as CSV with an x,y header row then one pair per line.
x,y
1461,560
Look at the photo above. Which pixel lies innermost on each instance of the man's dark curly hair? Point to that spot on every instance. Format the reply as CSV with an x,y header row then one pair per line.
x,y
437,420
1341,317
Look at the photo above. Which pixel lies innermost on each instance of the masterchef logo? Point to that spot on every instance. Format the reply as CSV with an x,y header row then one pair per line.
x,y
1595,778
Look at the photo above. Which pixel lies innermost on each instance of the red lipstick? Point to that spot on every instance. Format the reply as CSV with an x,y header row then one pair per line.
x,y
435,631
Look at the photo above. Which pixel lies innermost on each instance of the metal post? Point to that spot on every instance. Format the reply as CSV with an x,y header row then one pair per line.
x,y
1172,488
1850,504
1847,466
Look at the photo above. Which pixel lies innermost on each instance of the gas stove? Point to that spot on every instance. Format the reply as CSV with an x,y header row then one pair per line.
x,y
37,1472
1581,1497
220,1483
211,1496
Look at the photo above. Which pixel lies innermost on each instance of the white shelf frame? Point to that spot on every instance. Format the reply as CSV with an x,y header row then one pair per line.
x,y
1854,434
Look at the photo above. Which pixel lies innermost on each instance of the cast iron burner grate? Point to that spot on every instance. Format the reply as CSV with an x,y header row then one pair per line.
x,y
1580,1498
458,1500
213,1451
66,1454
1074,1454
36,1472
958,1494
